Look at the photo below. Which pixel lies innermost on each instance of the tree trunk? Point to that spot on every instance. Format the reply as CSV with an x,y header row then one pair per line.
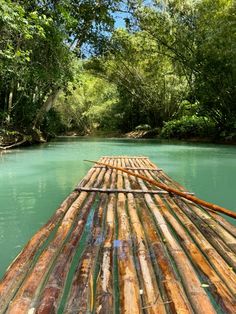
x,y
47,105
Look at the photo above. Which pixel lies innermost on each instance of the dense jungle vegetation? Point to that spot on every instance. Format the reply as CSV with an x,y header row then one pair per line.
x,y
117,66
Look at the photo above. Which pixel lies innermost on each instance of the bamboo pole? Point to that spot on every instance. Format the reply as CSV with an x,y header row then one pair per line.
x,y
22,263
220,238
223,269
173,191
225,238
224,223
95,273
190,280
213,237
128,282
153,302
176,298
104,296
30,289
217,287
80,299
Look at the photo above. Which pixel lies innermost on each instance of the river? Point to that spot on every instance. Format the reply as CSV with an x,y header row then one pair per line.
x,y
35,180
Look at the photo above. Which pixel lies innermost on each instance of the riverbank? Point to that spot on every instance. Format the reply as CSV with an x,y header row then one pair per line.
x,y
14,139
10,139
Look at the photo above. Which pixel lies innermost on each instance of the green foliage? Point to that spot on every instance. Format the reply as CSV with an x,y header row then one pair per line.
x,y
149,88
199,36
88,106
39,43
175,61
188,127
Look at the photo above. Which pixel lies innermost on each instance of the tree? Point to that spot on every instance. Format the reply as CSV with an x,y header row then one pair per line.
x,y
149,89
39,41
199,37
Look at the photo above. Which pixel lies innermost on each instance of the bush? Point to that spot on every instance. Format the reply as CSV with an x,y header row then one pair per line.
x,y
188,127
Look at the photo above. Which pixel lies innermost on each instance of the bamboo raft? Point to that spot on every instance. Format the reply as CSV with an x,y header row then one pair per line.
x,y
118,244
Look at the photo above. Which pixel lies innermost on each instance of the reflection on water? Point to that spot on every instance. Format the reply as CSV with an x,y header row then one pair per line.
x,y
34,181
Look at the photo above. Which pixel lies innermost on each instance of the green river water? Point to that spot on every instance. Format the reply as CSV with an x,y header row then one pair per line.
x,y
35,180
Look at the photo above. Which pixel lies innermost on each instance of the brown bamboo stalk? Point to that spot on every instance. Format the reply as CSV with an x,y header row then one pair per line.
x,y
178,302
223,269
213,237
173,191
22,263
30,289
93,277
104,294
52,292
81,292
161,176
222,240
151,291
174,290
224,223
214,220
209,222
128,282
217,287
201,303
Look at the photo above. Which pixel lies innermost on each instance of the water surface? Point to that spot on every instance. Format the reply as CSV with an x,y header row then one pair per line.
x,y
35,180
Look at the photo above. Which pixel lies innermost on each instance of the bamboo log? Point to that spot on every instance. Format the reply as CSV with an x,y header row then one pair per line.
x,y
81,296
212,236
30,289
153,302
174,291
222,240
173,191
22,263
224,223
95,273
224,235
219,290
192,284
222,268
175,294
52,292
104,296
128,282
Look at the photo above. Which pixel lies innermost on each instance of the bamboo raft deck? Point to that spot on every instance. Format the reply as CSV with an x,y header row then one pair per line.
x,y
119,245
